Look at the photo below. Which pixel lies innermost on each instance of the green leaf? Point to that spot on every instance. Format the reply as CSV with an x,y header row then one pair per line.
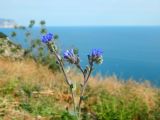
x,y
76,51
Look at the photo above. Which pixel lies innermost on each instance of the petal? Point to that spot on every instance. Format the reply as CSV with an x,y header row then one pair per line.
x,y
44,40
49,36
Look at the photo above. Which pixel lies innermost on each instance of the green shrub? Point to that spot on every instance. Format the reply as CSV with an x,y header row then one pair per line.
x,y
67,116
36,49
2,35
1,51
43,106
26,106
9,87
28,89
14,50
115,108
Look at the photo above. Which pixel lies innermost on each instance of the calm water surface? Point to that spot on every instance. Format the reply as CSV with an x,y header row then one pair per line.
x,y
129,52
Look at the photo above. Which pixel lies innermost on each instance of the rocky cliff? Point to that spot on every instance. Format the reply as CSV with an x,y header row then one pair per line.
x,y
7,23
9,49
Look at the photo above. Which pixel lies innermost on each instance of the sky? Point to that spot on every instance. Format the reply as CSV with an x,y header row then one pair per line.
x,y
83,12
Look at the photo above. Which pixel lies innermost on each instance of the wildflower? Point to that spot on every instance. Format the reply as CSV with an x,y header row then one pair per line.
x,y
71,57
96,56
46,38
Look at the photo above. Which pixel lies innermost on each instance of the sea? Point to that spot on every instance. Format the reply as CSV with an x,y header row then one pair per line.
x,y
130,52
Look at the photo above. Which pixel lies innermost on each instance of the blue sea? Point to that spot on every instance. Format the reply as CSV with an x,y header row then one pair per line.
x,y
129,52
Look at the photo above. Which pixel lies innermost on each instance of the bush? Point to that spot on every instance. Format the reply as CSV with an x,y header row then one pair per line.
x,y
9,87
67,116
36,49
2,35
43,106
111,107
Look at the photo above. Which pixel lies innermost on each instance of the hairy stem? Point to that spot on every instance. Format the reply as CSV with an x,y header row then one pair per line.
x,y
66,79
84,87
79,67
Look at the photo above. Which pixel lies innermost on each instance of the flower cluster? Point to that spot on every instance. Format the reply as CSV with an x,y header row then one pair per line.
x,y
47,38
71,56
96,56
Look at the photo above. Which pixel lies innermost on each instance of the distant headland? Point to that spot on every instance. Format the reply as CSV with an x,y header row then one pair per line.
x,y
7,23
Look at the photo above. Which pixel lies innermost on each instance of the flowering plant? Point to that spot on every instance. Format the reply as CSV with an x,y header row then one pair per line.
x,y
72,57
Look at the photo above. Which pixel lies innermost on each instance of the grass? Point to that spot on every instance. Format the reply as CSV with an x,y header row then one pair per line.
x,y
30,91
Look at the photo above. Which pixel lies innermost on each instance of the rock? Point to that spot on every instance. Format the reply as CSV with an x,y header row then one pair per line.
x,y
10,49
7,23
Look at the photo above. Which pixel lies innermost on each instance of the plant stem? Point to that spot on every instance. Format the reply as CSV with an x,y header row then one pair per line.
x,y
66,79
79,67
74,104
84,87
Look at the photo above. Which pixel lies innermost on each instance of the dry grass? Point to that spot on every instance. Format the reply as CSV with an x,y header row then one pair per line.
x,y
126,89
53,85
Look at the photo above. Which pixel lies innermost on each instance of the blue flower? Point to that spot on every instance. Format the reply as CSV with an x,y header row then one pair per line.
x,y
96,53
70,56
46,38
96,56
49,36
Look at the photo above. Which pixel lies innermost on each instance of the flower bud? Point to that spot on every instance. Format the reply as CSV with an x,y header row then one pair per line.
x,y
70,56
47,38
96,56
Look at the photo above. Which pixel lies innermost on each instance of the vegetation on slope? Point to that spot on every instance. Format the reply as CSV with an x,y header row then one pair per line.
x,y
31,91
32,88
11,50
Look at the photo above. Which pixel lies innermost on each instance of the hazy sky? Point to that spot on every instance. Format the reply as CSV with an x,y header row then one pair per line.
x,y
83,12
